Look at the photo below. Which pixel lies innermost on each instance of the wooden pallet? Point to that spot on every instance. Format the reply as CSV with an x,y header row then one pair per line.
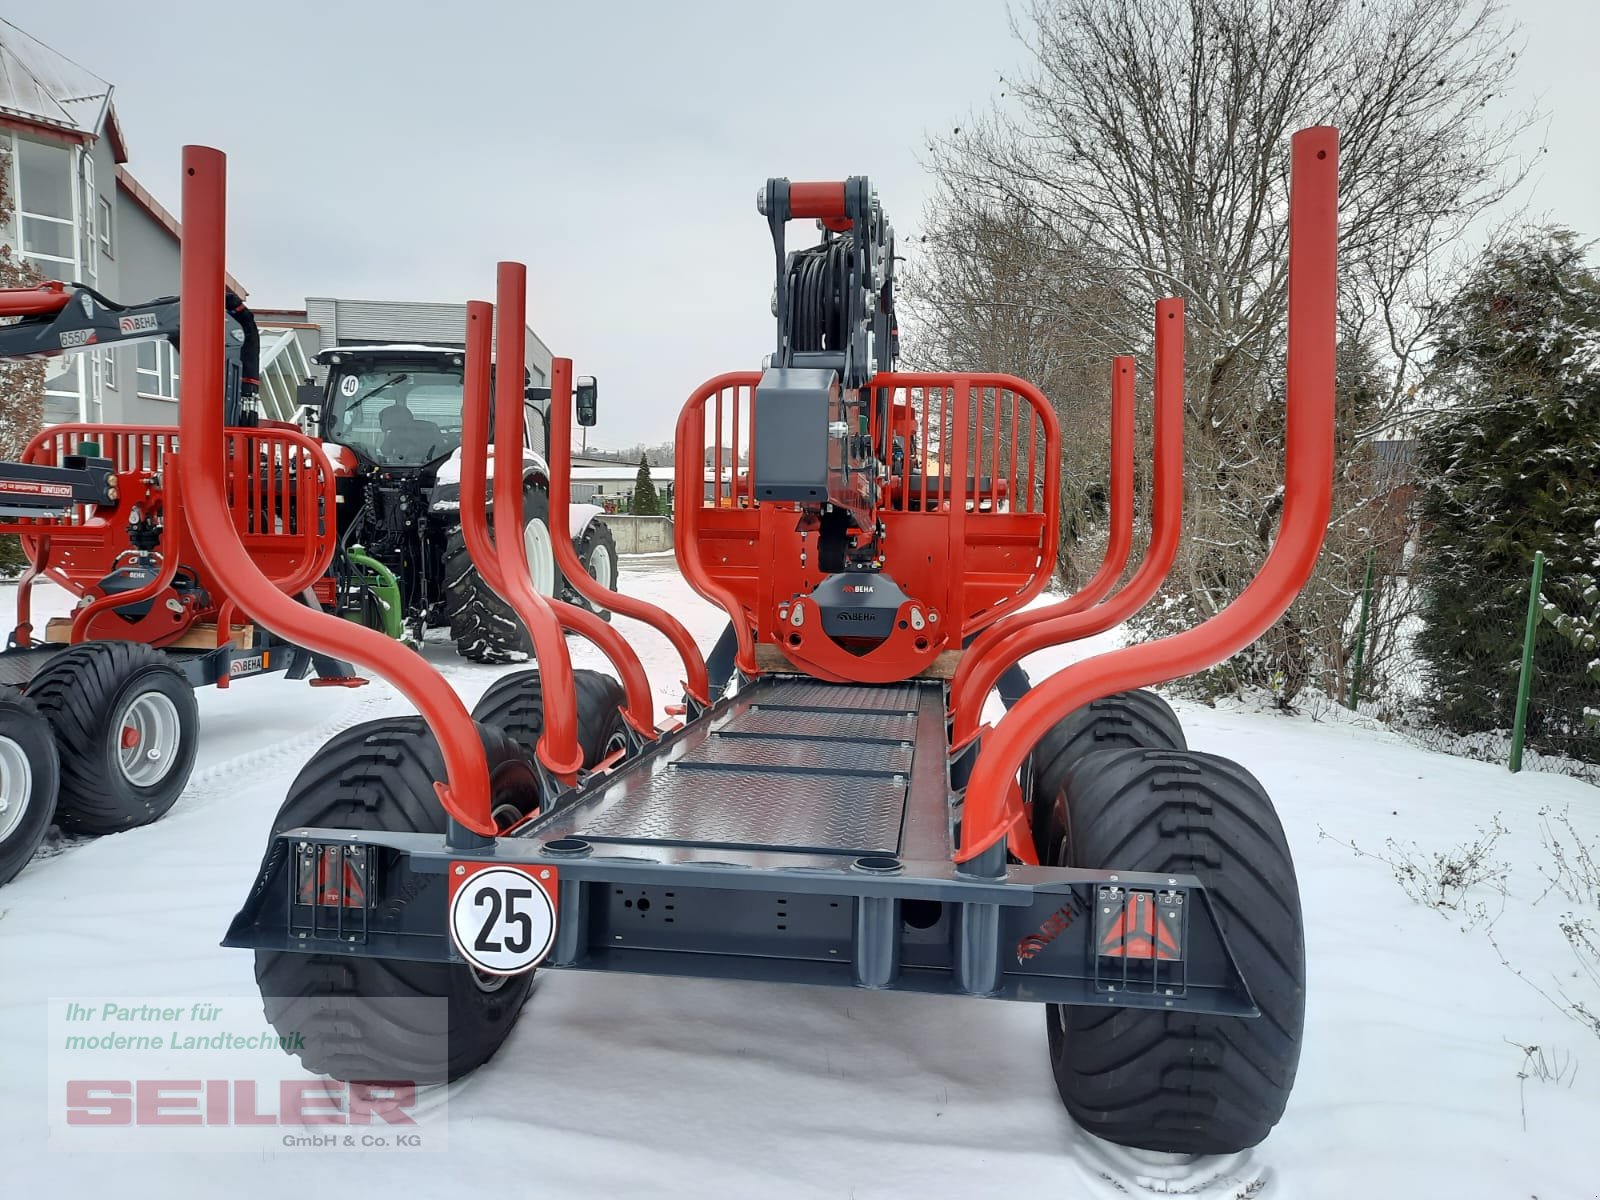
x,y
772,658
197,637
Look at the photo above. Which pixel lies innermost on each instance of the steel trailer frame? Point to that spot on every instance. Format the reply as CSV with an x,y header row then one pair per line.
x,y
884,874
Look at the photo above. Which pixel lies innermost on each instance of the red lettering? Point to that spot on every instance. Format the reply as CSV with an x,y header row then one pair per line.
x,y
311,1102
155,1096
217,1101
99,1102
388,1101
245,1111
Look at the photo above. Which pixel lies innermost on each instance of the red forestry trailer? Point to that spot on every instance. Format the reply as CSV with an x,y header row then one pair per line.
x,y
98,720
840,817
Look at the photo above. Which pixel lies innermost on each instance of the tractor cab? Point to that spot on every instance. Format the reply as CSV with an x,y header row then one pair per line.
x,y
398,407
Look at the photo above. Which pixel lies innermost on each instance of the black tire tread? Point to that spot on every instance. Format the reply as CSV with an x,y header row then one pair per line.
x,y
1181,1082
75,691
486,629
514,704
1125,721
24,724
379,775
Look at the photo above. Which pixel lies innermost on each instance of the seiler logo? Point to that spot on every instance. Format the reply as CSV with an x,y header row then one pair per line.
x,y
237,1102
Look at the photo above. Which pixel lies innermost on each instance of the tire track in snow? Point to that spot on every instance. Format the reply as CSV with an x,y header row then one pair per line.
x,y
206,785
219,780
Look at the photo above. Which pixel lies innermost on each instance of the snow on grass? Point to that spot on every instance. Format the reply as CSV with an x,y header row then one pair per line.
x,y
630,1086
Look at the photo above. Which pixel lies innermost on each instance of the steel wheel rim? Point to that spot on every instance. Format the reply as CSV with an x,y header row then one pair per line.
x,y
16,786
600,565
541,556
486,983
149,734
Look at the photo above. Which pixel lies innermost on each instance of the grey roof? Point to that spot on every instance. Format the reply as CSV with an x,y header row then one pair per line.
x,y
39,84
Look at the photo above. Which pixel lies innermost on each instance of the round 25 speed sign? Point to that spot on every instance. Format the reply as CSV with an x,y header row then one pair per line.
x,y
502,918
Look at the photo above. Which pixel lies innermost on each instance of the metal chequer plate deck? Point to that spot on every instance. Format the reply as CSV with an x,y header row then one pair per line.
x,y
781,773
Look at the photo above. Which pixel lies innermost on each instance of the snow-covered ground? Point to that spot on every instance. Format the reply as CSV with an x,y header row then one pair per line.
x,y
620,1086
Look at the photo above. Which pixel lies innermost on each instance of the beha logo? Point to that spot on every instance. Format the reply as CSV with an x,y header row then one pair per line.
x,y
1054,926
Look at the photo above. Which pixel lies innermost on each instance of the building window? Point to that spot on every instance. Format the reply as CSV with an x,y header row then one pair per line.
x,y
44,206
88,243
103,224
63,393
158,370
94,366
110,369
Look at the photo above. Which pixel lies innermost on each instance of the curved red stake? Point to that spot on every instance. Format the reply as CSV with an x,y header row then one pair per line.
x,y
689,486
558,747
475,527
1308,490
664,622
1118,544
979,673
202,470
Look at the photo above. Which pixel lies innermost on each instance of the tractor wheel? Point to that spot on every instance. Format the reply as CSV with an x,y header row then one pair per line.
x,y
1184,1083
484,626
30,775
1138,720
597,551
348,1011
514,704
126,726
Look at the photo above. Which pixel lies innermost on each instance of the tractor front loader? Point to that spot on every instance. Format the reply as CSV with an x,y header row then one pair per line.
x,y
98,719
842,818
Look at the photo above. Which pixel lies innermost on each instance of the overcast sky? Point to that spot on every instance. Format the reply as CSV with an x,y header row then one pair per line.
x,y
398,149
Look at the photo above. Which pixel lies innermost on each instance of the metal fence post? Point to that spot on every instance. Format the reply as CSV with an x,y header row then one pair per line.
x,y
1525,679
1361,630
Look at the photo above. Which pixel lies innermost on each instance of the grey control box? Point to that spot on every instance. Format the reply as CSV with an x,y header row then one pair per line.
x,y
792,410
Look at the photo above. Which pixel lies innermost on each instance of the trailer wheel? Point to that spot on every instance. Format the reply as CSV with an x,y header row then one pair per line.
x,y
1183,1082
514,704
597,551
349,1012
484,626
30,775
1124,721
126,726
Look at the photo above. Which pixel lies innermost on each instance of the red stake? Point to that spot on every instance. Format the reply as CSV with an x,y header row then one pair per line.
x,y
1308,490
475,526
1118,545
202,470
567,558
558,746
980,671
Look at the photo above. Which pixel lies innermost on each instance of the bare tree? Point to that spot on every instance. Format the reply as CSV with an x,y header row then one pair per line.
x,y
992,292
1146,153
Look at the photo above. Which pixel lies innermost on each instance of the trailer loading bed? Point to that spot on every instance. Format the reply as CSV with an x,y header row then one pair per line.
x,y
813,772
